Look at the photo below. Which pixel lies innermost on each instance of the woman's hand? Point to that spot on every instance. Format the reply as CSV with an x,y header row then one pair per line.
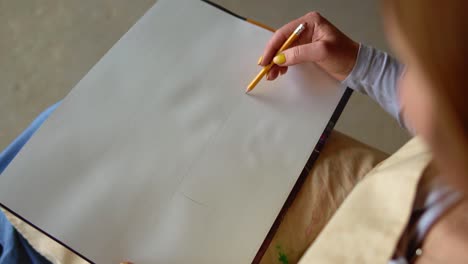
x,y
321,42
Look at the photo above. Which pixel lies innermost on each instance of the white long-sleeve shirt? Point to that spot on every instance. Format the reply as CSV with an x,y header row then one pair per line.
x,y
376,74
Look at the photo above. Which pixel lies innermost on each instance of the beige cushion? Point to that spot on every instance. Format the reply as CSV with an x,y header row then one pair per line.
x,y
367,226
342,163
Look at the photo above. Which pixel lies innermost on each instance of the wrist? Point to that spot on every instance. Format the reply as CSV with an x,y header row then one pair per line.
x,y
361,66
351,60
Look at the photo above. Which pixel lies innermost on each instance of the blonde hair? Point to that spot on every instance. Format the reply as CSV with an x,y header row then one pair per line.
x,y
437,33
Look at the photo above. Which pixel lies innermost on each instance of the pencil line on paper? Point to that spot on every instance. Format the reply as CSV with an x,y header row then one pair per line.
x,y
195,201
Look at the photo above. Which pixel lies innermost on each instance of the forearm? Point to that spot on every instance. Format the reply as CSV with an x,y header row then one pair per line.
x,y
376,74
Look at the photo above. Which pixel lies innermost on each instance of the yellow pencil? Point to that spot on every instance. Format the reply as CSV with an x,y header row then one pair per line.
x,y
267,68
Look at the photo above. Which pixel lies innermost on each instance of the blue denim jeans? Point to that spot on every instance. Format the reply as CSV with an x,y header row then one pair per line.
x,y
13,247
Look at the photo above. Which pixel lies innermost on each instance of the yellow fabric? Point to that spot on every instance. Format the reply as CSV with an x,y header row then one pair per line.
x,y
342,163
367,226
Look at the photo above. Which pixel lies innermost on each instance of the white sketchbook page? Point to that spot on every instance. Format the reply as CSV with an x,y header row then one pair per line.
x,y
158,156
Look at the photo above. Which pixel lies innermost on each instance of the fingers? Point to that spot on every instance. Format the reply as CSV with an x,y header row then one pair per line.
x,y
275,71
313,52
280,36
283,70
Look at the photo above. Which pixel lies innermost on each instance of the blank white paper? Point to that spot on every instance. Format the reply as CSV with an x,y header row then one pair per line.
x,y
158,156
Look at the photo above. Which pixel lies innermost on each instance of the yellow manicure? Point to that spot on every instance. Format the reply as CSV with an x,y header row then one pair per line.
x,y
260,60
279,59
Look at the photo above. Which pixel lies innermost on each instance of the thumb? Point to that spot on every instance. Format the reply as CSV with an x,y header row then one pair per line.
x,y
311,52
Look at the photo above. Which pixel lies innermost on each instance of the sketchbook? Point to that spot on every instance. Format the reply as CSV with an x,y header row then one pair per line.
x,y
158,156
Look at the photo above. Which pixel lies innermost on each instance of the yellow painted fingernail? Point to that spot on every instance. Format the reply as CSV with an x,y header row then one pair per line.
x,y
260,60
279,59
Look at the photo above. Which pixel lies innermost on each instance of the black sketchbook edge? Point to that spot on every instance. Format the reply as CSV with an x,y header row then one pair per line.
x,y
308,166
292,195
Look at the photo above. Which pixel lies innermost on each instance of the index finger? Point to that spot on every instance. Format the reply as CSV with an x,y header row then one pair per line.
x,y
279,37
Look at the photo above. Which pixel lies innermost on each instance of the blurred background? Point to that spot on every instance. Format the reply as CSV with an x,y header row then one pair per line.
x,y
47,46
